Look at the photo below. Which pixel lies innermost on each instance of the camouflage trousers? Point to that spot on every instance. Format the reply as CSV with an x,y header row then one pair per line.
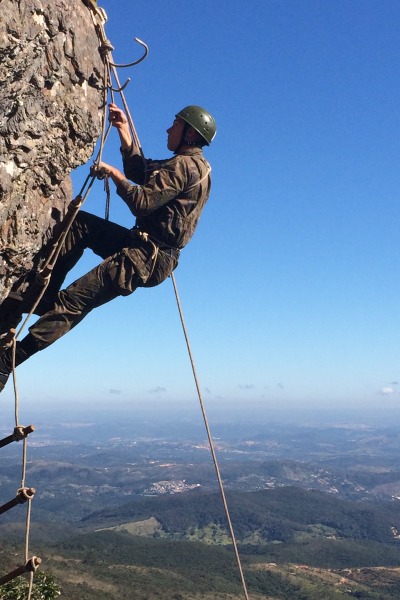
x,y
128,264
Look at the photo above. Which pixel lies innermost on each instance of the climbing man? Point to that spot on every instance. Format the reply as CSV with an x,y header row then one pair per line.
x,y
167,200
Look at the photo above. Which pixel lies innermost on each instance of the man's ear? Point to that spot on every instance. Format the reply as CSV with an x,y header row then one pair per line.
x,y
191,135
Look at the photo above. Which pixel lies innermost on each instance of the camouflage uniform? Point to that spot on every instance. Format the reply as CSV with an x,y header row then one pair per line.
x,y
167,204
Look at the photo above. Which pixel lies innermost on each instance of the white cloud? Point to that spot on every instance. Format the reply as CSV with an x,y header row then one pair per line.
x,y
386,391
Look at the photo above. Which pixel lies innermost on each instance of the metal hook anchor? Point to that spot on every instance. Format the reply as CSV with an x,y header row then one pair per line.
x,y
120,89
114,89
136,62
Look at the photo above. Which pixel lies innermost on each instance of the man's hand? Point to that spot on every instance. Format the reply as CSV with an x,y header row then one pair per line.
x,y
116,116
118,119
100,170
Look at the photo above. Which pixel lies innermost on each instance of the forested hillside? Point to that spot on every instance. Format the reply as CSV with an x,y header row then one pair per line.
x,y
279,514
294,543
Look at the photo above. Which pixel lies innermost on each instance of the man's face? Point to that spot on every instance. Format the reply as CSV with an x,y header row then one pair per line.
x,y
175,134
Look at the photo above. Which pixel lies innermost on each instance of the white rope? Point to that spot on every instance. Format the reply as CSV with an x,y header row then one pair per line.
x,y
211,443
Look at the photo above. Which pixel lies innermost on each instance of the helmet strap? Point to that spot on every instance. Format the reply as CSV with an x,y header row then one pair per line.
x,y
184,142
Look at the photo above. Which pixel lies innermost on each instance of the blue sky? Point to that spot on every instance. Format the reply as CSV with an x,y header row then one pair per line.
x,y
290,287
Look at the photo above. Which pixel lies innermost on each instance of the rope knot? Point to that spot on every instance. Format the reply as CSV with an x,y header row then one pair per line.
x,y
105,47
24,494
146,238
143,235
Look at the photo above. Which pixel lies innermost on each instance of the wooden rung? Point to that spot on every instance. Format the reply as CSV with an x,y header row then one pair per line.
x,y
19,434
23,495
30,566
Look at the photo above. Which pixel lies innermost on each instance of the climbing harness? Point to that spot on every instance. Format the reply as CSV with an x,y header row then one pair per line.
x,y
25,494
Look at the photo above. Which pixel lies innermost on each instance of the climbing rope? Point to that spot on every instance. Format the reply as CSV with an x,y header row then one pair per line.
x,y
99,18
211,443
24,494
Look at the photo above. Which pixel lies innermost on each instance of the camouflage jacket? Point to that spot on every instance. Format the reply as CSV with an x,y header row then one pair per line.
x,y
170,194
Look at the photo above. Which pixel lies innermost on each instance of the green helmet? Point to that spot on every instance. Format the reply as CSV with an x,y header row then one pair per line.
x,y
200,120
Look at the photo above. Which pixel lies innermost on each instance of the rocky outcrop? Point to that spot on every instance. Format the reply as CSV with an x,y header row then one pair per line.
x,y
50,120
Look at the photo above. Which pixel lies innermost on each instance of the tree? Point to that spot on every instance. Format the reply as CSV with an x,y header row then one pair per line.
x,y
44,588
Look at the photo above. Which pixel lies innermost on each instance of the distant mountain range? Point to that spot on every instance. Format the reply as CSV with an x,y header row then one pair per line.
x,y
314,512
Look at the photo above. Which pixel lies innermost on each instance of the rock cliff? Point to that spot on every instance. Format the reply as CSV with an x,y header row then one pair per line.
x,y
50,120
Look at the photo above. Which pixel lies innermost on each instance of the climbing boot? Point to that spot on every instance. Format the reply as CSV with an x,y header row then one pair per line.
x,y
5,370
11,311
